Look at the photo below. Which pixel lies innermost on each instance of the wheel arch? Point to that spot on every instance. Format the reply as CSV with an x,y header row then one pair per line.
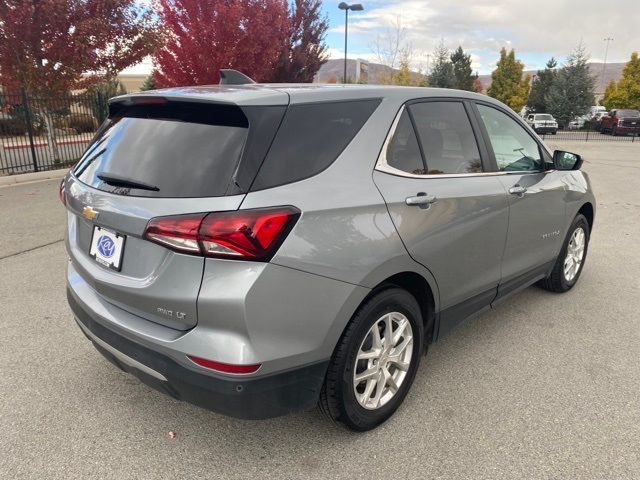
x,y
589,213
419,287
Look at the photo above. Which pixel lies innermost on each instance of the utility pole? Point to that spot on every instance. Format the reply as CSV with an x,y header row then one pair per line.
x,y
356,7
604,65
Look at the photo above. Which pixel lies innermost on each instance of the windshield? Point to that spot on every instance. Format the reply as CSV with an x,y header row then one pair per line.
x,y
544,116
628,113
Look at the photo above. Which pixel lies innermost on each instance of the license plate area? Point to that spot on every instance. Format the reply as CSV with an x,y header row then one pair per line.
x,y
107,248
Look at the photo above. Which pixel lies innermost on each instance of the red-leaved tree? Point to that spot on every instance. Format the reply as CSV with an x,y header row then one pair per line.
x,y
304,50
203,36
52,46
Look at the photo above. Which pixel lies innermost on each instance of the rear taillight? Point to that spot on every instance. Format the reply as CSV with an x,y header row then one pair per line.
x,y
61,194
242,234
225,367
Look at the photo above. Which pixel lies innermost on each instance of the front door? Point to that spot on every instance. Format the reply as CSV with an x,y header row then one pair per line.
x,y
536,198
451,215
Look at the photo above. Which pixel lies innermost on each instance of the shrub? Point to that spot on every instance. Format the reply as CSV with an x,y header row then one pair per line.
x,y
81,122
12,127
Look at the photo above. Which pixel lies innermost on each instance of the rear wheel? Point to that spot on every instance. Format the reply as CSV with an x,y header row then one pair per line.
x,y
375,362
569,263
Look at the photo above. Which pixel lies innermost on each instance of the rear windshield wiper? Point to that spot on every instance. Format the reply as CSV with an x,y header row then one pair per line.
x,y
118,181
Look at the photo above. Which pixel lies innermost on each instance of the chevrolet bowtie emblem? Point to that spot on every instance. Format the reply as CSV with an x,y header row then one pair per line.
x,y
90,213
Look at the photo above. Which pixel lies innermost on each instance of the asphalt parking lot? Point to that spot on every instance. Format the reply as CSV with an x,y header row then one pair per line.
x,y
545,386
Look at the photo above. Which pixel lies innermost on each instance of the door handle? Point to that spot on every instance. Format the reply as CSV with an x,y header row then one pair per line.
x,y
518,190
422,200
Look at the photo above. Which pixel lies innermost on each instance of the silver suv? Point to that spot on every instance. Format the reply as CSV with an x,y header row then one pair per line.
x,y
260,249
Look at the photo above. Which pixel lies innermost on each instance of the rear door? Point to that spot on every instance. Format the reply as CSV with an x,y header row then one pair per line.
x,y
152,160
451,215
536,196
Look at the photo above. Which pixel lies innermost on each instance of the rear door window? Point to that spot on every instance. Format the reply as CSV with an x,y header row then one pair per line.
x,y
403,151
446,136
310,139
171,150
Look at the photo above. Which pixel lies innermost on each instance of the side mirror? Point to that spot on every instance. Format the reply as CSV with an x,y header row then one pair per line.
x,y
566,160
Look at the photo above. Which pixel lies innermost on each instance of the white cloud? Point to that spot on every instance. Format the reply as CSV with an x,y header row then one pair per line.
x,y
536,29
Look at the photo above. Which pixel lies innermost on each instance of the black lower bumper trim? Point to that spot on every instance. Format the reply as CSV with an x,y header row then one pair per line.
x,y
248,398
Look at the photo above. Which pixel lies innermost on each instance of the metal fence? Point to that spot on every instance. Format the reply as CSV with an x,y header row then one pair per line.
x,y
45,133
591,134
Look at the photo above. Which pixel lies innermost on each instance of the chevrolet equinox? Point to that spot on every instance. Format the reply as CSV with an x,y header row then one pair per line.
x,y
259,249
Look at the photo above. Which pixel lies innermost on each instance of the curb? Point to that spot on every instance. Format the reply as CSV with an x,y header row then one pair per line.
x,y
32,177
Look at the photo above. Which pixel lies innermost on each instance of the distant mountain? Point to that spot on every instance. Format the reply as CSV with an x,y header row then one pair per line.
x,y
333,70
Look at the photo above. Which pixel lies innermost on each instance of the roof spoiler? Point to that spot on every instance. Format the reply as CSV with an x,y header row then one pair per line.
x,y
234,77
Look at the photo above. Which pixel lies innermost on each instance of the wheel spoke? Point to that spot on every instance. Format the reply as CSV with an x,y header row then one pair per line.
x,y
391,382
379,389
399,364
365,375
369,354
399,349
388,330
402,325
375,337
368,389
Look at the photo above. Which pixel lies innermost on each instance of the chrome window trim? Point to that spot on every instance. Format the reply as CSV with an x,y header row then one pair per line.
x,y
383,166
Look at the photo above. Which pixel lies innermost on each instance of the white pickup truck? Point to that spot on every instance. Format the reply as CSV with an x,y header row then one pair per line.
x,y
542,123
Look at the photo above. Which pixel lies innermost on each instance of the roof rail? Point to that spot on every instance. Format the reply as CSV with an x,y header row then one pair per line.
x,y
234,77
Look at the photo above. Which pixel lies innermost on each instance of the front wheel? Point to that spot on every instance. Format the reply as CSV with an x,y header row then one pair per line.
x,y
375,362
570,262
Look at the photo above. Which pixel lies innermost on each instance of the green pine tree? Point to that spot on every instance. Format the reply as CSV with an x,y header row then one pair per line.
x,y
462,71
442,74
507,84
538,97
572,92
149,83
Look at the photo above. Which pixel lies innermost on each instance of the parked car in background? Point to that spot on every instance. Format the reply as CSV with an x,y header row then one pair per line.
x,y
620,122
207,257
577,123
542,123
596,111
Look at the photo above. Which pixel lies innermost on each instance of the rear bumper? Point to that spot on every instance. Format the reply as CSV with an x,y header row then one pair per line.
x,y
627,129
249,398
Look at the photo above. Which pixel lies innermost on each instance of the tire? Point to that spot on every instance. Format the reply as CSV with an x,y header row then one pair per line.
x,y
338,395
614,132
559,281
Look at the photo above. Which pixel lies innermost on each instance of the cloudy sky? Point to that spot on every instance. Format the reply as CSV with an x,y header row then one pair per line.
x,y
537,29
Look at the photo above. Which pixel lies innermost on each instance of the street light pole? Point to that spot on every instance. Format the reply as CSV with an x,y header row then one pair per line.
x,y
356,7
604,65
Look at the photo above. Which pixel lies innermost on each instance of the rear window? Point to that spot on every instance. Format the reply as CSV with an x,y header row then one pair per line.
x,y
628,113
544,116
167,150
310,138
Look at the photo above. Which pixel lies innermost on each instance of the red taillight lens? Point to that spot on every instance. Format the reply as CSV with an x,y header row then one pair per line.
x,y
61,194
178,233
225,367
242,234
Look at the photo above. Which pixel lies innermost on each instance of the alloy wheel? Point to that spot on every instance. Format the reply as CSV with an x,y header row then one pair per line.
x,y
575,254
383,360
